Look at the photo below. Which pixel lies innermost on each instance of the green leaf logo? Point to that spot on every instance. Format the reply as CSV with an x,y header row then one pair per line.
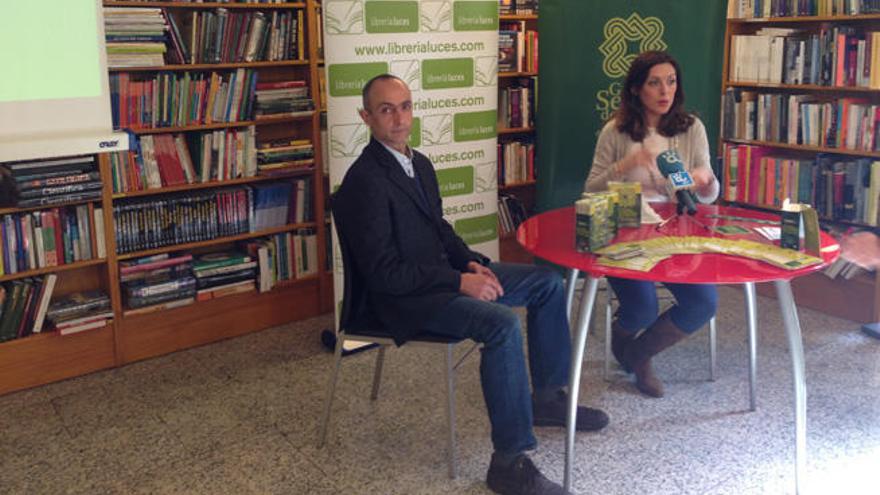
x,y
347,140
486,177
436,129
409,71
343,17
436,16
485,71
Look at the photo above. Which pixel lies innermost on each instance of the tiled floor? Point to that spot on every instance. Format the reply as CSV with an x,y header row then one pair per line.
x,y
241,417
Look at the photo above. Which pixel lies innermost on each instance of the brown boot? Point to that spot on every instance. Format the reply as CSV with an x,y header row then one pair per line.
x,y
662,334
620,340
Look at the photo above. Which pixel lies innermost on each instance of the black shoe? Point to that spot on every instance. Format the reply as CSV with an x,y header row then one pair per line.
x,y
552,413
520,477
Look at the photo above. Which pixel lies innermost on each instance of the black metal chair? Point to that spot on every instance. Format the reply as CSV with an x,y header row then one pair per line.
x,y
352,296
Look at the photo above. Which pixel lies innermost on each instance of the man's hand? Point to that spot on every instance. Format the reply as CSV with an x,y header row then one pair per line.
x,y
861,248
480,283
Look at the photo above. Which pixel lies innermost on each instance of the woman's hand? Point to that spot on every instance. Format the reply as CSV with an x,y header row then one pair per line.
x,y
637,157
703,177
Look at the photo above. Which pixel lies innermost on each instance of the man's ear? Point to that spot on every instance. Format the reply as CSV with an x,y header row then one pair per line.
x,y
364,115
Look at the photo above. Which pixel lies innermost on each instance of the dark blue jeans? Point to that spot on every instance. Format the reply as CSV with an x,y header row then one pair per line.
x,y
502,366
695,304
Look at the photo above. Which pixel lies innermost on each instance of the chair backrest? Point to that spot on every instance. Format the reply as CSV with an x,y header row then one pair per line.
x,y
354,301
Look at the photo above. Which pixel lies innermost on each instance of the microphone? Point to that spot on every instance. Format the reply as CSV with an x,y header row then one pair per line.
x,y
678,181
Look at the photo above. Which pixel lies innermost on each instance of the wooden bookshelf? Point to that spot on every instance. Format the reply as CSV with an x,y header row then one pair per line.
x,y
210,5
208,67
515,130
306,170
857,298
48,356
524,191
803,88
213,242
223,125
52,269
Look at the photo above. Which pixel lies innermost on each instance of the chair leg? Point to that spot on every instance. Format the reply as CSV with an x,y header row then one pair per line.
x,y
377,372
713,344
331,390
606,372
450,410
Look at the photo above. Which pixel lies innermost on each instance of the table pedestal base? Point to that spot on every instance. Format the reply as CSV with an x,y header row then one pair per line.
x,y
793,332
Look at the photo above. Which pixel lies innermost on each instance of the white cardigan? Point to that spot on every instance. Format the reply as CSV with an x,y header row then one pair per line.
x,y
613,145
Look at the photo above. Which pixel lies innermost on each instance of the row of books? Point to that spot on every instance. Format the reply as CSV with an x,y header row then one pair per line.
x,y
28,306
744,9
285,156
511,213
286,256
169,99
517,47
79,312
55,181
835,56
517,104
23,306
163,160
150,37
221,36
516,162
282,98
46,238
135,37
517,6
840,187
156,222
165,281
226,1
843,269
846,123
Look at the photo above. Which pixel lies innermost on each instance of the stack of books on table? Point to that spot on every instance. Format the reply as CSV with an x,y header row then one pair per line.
x,y
135,37
80,311
56,181
159,282
224,274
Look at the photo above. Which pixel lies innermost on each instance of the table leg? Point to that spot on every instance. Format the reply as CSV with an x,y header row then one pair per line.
x,y
574,375
796,347
570,284
751,314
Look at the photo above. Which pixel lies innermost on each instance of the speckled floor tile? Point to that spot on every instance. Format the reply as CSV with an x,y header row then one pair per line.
x,y
242,417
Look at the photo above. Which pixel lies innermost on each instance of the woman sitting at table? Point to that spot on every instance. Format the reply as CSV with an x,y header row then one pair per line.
x,y
651,119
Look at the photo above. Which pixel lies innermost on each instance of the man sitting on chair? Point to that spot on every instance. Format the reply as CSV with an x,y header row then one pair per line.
x,y
420,276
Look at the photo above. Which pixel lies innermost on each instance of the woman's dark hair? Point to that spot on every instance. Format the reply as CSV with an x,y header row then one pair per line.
x,y
630,116
8,189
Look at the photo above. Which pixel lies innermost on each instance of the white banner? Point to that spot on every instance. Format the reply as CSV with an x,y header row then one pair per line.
x,y
447,52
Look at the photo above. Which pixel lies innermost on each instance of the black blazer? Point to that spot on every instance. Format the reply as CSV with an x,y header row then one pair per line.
x,y
405,255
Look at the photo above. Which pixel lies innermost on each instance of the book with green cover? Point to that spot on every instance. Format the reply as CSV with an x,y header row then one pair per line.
x,y
595,221
216,260
629,204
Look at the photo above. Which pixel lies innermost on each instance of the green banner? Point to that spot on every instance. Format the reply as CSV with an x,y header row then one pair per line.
x,y
392,17
475,16
456,181
586,48
349,79
475,230
448,73
473,126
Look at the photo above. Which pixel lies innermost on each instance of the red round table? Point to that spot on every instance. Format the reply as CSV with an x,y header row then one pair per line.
x,y
550,236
